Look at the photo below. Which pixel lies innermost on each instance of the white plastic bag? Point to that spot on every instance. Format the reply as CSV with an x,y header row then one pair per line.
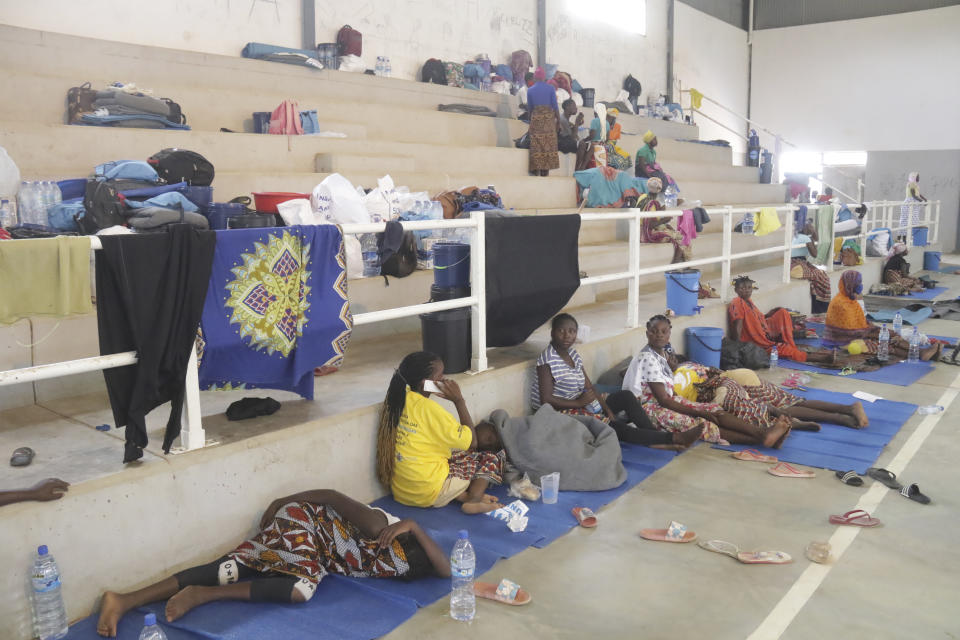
x,y
353,64
336,201
385,201
351,246
9,176
297,211
877,244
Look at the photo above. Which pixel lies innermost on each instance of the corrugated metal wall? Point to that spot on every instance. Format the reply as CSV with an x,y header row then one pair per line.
x,y
772,14
730,11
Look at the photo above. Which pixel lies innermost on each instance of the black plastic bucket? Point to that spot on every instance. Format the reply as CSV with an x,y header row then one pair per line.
x,y
447,334
438,294
587,95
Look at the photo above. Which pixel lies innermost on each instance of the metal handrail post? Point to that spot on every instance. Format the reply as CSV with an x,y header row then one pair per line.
x,y
478,280
726,247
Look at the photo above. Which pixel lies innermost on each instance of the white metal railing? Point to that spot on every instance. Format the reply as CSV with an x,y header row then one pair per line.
x,y
886,214
880,214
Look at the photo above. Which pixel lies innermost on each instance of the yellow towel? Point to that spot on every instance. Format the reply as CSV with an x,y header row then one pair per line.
x,y
767,222
696,98
44,277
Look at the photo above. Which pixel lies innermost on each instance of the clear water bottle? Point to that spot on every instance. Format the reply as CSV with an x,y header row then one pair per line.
x,y
46,188
774,357
150,629
7,216
898,323
49,614
378,69
56,193
463,562
670,197
883,348
929,409
914,353
387,69
747,225
371,257
25,201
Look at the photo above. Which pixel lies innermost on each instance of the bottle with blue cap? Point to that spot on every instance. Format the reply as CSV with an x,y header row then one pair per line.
x,y
151,631
463,563
49,614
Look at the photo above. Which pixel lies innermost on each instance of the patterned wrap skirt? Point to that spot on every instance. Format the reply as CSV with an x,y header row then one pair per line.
x,y
544,145
819,280
668,420
468,465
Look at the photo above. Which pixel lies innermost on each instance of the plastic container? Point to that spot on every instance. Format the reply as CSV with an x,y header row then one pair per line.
x,y
261,121
682,289
451,264
587,95
929,409
883,344
898,323
447,334
200,196
438,294
913,354
774,357
746,227
267,201
150,629
74,188
219,212
329,55
753,149
256,220
920,236
931,260
704,344
463,565
766,167
550,485
49,614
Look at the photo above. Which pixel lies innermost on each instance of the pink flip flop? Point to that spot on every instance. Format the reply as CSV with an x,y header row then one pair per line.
x,y
585,516
752,455
506,592
786,470
855,518
676,532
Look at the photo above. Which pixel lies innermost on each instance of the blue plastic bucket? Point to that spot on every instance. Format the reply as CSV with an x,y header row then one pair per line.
x,y
920,236
200,196
261,121
682,289
451,264
704,344
218,213
931,260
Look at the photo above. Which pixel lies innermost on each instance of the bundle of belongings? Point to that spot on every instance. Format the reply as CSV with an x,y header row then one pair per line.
x,y
273,53
467,199
122,105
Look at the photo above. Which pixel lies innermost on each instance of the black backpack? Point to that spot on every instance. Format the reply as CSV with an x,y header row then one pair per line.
x,y
176,113
398,251
102,207
181,165
632,86
433,71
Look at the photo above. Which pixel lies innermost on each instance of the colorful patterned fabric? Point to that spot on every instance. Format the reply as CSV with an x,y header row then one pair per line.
x,y
568,383
276,309
772,395
657,232
756,328
468,465
609,187
846,320
544,154
737,401
309,541
819,280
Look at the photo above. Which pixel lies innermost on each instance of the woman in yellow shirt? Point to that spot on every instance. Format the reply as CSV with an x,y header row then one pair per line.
x,y
427,457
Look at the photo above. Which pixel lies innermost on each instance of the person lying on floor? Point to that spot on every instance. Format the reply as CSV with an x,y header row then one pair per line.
x,y
847,322
650,377
749,324
425,456
743,393
896,272
334,534
562,382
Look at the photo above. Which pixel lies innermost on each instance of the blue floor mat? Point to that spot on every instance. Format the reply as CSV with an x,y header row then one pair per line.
x,y
948,268
841,448
926,294
909,317
902,374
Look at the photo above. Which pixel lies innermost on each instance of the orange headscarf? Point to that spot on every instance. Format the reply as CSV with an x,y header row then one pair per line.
x,y
844,311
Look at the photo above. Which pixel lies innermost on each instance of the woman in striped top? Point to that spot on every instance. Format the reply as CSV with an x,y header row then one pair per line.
x,y
561,382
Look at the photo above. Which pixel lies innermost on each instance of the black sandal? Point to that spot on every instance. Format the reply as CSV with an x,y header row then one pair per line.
x,y
884,477
851,478
22,457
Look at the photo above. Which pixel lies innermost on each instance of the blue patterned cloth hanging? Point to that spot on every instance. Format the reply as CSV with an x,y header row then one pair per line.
x,y
276,309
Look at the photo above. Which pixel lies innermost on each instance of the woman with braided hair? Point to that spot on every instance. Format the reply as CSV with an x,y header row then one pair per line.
x,y
427,457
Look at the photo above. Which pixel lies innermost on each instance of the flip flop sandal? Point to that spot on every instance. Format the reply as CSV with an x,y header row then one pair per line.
x,y
785,470
847,371
22,457
585,516
884,477
746,557
752,455
676,532
855,518
851,478
506,592
913,492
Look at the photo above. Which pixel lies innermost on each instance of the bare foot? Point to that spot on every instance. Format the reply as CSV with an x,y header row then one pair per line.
x,y
860,414
929,353
777,433
688,437
112,609
471,508
491,499
805,425
185,600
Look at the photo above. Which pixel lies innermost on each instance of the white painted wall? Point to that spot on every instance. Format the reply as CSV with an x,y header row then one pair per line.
x,y
712,57
891,82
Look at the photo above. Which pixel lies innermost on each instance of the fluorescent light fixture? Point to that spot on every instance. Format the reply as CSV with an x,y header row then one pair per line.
x,y
625,15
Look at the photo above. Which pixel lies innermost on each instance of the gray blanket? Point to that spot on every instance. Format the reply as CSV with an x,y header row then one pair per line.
x,y
584,450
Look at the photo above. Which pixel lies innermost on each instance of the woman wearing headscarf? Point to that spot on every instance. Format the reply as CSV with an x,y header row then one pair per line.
x,y
544,124
847,322
616,157
647,165
896,271
658,230
910,208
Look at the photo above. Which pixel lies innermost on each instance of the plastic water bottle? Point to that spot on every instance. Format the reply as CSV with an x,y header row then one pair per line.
x,y
929,409
371,256
378,69
55,192
670,197
774,357
747,225
463,562
7,217
914,353
150,629
49,614
387,69
898,323
883,349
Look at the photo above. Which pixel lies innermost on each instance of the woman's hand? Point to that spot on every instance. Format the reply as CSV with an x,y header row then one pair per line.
x,y
49,489
390,532
450,390
587,397
712,416
579,120
269,514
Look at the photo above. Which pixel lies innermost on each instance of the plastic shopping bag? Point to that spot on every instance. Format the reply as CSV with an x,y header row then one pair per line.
x,y
336,201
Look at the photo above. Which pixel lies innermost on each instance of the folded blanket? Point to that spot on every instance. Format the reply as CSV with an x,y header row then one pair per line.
x,y
46,277
110,99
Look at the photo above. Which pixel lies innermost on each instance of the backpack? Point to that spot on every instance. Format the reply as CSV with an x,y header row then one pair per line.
x,y
80,101
176,113
433,72
632,86
742,355
350,41
181,165
285,119
398,251
102,207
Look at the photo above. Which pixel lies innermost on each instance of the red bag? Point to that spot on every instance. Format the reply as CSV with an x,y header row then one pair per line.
x,y
350,41
285,119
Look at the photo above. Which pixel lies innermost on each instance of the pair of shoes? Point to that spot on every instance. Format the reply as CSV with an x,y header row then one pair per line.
x,y
890,480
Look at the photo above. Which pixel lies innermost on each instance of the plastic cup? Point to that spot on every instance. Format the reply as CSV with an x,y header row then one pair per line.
x,y
550,484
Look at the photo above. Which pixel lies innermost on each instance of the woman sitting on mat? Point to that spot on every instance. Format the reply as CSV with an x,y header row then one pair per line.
x,y
896,272
650,377
802,268
427,457
333,533
562,382
847,322
749,324
658,230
